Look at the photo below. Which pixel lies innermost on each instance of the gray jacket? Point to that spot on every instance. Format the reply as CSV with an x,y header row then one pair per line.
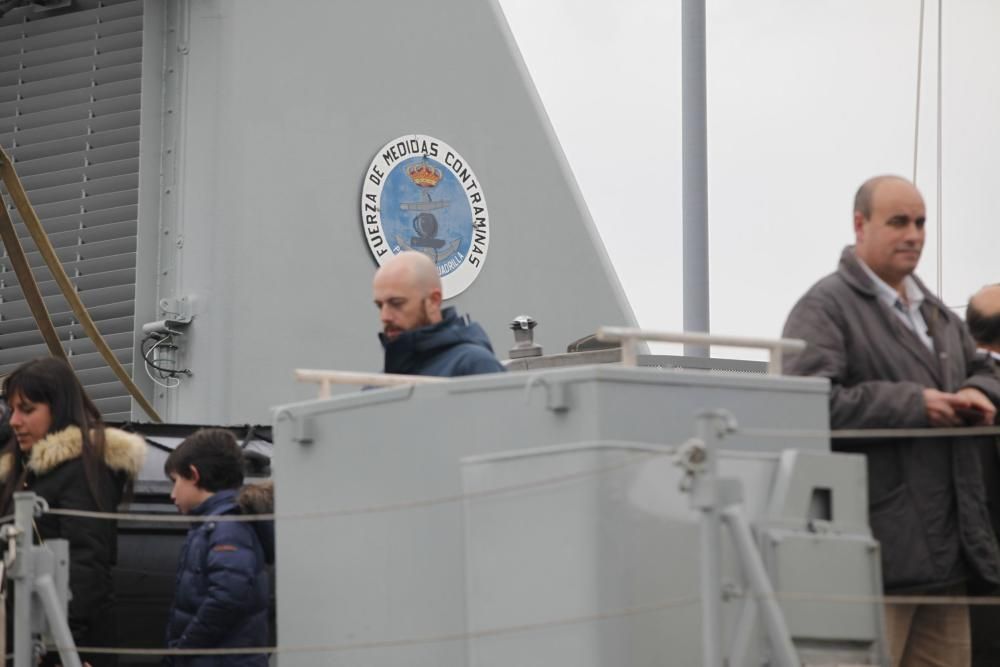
x,y
926,498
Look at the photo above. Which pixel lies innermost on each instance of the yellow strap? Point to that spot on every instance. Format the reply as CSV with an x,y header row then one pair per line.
x,y
34,225
27,282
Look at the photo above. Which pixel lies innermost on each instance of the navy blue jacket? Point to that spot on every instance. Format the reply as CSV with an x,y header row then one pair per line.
x,y
222,591
452,347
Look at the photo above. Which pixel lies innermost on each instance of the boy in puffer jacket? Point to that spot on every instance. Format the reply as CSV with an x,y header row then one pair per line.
x,y
222,594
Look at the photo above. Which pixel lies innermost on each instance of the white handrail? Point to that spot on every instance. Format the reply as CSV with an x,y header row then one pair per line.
x,y
628,336
326,378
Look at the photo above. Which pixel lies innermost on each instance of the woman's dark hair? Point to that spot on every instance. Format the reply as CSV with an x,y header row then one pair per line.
x,y
52,381
215,454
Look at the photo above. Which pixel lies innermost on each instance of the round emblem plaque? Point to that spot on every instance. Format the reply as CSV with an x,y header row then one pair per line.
x,y
420,194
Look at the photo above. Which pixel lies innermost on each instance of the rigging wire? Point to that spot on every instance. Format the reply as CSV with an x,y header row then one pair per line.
x,y
920,76
939,124
940,209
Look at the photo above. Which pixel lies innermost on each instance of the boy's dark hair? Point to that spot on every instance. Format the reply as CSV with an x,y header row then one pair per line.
x,y
214,452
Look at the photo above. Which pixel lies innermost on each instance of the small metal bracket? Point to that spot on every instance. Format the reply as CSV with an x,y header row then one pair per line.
x,y
41,506
177,309
302,430
556,393
692,458
732,590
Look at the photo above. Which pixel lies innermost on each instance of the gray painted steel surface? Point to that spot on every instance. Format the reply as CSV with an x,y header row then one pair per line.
x,y
276,111
236,192
591,552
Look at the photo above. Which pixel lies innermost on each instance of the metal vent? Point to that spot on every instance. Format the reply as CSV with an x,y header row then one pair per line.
x,y
69,118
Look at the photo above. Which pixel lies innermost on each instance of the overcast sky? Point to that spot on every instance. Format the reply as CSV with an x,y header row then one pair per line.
x,y
807,98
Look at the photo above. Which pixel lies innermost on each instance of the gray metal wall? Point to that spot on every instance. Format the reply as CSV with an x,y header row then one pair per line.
x,y
394,552
273,112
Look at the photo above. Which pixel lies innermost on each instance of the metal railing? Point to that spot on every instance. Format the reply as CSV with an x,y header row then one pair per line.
x,y
629,338
325,379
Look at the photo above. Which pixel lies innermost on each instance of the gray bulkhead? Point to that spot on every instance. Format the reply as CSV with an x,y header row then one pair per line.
x,y
536,518
258,121
278,109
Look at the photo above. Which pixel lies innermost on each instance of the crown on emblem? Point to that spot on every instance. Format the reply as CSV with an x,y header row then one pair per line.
x,y
424,175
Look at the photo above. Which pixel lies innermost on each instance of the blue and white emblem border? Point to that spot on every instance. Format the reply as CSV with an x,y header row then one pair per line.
x,y
388,158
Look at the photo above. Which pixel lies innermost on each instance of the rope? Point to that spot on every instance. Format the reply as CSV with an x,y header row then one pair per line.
x,y
409,641
938,600
26,281
871,433
658,451
943,432
673,603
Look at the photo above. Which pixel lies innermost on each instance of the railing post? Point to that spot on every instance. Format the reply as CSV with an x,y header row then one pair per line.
x,y
707,497
711,548
630,356
774,361
22,572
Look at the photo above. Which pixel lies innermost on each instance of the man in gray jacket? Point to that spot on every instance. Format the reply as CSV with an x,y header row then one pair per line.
x,y
897,357
983,319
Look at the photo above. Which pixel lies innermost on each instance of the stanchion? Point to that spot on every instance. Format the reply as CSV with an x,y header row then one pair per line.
x,y
40,576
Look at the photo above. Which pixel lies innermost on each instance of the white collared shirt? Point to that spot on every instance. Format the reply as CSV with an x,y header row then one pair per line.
x,y
908,313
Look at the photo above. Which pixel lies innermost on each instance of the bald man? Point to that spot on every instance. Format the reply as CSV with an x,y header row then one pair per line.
x,y
897,357
419,337
983,318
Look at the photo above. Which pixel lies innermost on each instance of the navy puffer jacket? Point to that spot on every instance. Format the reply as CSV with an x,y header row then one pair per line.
x,y
222,590
452,347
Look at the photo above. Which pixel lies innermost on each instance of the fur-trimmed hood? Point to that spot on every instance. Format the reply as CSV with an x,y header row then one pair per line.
x,y
123,452
257,498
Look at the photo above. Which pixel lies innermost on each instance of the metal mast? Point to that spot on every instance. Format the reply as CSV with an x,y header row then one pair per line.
x,y
694,127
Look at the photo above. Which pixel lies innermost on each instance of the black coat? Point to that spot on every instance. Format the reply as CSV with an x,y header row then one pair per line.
x,y
56,473
452,347
222,589
926,499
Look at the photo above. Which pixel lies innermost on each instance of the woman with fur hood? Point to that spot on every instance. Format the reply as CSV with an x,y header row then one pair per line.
x,y
62,451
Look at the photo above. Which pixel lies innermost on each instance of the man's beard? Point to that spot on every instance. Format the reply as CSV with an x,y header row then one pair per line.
x,y
422,321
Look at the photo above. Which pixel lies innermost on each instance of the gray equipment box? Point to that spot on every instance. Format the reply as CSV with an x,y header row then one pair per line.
x,y
536,519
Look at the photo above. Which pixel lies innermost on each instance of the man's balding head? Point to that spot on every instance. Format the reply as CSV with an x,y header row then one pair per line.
x,y
889,217
983,317
407,292
863,197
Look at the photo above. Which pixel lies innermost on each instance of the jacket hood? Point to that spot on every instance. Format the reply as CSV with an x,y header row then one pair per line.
x,y
259,499
452,330
123,452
